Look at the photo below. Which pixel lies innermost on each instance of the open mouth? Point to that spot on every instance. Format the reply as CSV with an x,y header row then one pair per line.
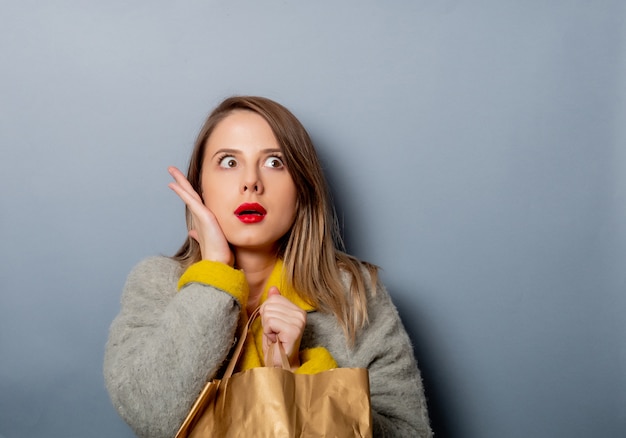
x,y
250,213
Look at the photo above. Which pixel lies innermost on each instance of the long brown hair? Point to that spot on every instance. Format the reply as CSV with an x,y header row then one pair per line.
x,y
312,251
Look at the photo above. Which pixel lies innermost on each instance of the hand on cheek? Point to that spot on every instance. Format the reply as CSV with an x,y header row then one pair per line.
x,y
282,322
206,231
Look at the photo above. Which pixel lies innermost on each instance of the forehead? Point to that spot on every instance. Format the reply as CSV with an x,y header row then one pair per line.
x,y
242,129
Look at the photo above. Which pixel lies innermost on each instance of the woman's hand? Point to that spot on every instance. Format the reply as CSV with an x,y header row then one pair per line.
x,y
205,229
282,322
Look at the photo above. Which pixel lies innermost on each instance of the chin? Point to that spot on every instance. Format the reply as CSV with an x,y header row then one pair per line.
x,y
256,237
249,242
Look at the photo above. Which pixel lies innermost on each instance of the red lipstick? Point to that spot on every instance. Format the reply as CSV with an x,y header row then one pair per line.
x,y
250,213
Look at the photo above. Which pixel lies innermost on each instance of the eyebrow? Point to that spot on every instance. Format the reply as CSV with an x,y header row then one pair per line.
x,y
237,151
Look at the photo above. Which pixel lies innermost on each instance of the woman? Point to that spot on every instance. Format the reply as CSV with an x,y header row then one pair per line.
x,y
262,232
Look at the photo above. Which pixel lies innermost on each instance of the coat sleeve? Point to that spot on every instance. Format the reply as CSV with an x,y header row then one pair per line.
x,y
397,393
165,344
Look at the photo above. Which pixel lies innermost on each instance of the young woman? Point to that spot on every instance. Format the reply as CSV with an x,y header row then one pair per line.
x,y
262,232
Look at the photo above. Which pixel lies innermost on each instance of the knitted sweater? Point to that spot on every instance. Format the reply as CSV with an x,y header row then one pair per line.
x,y
233,281
165,344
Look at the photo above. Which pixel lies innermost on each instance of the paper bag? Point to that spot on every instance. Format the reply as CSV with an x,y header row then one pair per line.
x,y
274,402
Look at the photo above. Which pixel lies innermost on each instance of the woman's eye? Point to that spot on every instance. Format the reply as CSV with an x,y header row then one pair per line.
x,y
228,162
274,163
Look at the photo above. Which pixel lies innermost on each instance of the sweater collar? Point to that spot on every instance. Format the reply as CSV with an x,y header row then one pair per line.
x,y
277,278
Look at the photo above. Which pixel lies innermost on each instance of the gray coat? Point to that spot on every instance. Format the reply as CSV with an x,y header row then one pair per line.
x,y
164,345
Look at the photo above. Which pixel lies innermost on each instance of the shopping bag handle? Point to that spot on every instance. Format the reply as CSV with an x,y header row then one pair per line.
x,y
242,340
270,353
269,360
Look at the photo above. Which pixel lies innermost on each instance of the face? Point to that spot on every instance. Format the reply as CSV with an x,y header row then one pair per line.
x,y
246,184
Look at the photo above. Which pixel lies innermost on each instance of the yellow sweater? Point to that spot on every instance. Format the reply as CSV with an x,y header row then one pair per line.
x,y
233,281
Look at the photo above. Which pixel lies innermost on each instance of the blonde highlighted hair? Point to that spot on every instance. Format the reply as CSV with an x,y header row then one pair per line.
x,y
312,251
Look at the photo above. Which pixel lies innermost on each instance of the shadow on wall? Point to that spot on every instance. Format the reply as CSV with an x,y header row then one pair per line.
x,y
440,405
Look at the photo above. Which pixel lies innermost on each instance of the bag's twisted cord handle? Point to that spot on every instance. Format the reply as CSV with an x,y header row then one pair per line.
x,y
242,341
269,360
270,353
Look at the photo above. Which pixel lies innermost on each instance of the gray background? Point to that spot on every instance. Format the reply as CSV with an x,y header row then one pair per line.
x,y
477,152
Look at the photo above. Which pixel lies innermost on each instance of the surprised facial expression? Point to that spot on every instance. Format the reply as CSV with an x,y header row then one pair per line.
x,y
246,184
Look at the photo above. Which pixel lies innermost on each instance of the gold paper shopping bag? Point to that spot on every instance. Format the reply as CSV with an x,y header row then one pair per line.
x,y
274,402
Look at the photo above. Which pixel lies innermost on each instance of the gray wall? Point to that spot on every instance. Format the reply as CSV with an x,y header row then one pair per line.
x,y
476,150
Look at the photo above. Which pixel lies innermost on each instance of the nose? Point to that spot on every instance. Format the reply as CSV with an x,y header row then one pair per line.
x,y
252,183
252,187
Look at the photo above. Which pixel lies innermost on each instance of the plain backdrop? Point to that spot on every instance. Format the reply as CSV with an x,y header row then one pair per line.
x,y
476,150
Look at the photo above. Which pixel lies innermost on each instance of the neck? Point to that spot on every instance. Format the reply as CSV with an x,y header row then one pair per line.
x,y
257,267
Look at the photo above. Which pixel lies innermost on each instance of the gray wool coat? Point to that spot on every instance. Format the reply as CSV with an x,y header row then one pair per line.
x,y
164,345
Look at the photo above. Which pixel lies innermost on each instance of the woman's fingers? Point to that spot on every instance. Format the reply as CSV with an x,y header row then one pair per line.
x,y
185,191
279,320
205,228
282,322
278,312
182,187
